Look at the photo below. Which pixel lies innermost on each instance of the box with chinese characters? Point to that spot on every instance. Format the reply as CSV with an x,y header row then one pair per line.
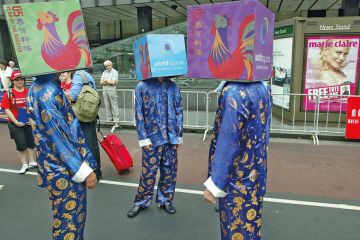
x,y
48,37
160,55
232,40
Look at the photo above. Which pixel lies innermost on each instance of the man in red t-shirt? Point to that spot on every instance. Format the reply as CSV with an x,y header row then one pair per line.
x,y
14,104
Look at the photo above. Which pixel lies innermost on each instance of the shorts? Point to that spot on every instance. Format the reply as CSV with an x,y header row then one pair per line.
x,y
22,136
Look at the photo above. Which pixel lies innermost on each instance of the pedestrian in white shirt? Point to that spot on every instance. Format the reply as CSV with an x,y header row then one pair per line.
x,y
8,71
4,82
109,80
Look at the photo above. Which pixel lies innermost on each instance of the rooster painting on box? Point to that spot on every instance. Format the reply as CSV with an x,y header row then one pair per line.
x,y
234,39
48,36
54,51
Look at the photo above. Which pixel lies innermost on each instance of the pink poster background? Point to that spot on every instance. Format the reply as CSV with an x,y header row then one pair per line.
x,y
331,71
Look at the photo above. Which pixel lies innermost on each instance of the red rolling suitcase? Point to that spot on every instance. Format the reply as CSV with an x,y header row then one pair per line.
x,y
117,152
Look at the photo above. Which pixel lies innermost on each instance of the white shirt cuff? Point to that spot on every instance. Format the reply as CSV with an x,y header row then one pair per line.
x,y
82,173
181,141
210,185
145,142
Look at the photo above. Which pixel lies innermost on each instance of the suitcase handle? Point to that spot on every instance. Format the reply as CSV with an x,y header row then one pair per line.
x,y
98,129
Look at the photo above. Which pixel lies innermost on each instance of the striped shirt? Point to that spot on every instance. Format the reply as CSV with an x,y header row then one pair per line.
x,y
110,75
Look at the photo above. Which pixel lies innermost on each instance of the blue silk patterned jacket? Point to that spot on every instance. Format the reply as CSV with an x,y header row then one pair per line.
x,y
158,112
60,146
238,150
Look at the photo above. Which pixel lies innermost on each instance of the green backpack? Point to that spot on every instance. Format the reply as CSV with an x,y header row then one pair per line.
x,y
86,106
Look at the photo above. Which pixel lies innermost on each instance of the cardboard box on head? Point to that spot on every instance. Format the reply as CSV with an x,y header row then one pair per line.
x,y
48,37
160,55
231,41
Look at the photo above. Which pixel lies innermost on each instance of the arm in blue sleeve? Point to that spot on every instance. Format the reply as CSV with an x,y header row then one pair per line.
x,y
228,142
268,88
76,86
65,146
179,114
139,118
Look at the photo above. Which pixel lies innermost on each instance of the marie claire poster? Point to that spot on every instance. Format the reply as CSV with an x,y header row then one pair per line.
x,y
331,71
48,36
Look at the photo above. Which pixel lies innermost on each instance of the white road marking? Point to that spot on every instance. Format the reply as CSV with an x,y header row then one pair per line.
x,y
197,192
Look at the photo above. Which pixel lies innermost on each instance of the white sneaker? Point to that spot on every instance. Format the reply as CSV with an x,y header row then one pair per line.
x,y
23,169
32,164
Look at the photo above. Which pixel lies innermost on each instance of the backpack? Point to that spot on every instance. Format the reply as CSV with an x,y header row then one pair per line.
x,y
87,104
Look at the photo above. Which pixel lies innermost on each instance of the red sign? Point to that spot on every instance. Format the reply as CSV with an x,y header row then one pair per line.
x,y
353,118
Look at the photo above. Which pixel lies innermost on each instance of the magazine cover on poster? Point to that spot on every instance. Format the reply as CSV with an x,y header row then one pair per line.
x,y
48,36
331,71
281,79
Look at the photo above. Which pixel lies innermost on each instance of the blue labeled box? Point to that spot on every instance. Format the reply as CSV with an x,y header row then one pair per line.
x,y
160,55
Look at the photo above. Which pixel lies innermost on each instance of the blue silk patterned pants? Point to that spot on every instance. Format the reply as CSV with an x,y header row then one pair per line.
x,y
68,201
240,219
165,158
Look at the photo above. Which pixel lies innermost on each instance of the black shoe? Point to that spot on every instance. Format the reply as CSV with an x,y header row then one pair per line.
x,y
133,211
169,208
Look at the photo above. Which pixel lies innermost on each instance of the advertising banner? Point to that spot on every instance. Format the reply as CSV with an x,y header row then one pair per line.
x,y
230,40
160,55
331,71
353,118
281,80
48,36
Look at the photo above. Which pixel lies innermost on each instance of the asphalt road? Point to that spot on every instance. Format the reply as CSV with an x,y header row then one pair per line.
x,y
309,190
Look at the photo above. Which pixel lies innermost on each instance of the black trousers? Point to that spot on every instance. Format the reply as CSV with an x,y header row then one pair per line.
x,y
89,130
22,136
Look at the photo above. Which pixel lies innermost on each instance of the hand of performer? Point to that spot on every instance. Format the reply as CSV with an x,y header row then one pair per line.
x,y
208,196
91,180
148,147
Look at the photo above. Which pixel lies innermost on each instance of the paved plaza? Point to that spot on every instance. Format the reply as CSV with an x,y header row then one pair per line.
x,y
313,194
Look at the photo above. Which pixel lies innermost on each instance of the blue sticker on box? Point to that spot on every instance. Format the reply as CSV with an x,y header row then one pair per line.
x,y
160,55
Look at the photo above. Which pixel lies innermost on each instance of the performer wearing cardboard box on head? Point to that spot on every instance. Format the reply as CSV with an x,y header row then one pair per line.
x,y
66,164
159,118
241,54
159,123
238,158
